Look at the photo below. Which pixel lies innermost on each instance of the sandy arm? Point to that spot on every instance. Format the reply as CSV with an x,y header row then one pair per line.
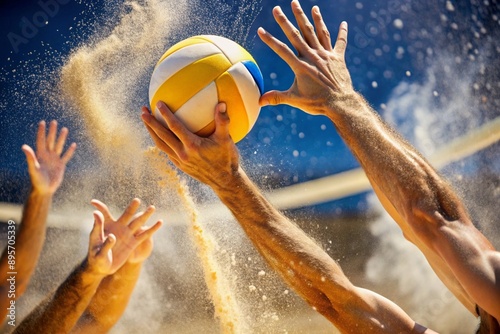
x,y
425,207
287,249
429,212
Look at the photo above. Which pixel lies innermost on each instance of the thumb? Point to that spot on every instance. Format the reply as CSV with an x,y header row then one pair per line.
x,y
108,244
30,158
272,98
221,121
97,233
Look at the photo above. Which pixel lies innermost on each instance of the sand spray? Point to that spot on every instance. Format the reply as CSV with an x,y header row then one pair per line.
x,y
102,82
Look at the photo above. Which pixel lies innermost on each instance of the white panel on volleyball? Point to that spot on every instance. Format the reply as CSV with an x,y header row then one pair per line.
x,y
231,49
249,91
198,112
177,61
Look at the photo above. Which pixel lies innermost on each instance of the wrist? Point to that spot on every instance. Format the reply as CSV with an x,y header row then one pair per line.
x,y
345,105
130,268
91,272
229,181
42,192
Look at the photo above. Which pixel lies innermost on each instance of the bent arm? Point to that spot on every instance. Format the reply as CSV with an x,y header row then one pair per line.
x,y
424,205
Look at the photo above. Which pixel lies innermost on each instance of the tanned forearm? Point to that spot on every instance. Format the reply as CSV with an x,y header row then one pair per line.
x,y
428,211
28,245
309,270
397,169
110,300
60,313
300,261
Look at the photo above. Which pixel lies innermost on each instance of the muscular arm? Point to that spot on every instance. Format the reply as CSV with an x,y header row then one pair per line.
x,y
424,205
287,249
429,213
307,268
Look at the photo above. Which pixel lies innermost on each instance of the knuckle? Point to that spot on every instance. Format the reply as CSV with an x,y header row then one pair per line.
x,y
183,156
326,32
281,16
282,45
342,40
276,99
176,127
309,27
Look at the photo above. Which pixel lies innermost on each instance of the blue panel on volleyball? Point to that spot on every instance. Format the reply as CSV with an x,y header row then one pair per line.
x,y
256,74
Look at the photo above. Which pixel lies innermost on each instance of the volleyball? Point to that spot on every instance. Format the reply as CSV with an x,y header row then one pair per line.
x,y
201,71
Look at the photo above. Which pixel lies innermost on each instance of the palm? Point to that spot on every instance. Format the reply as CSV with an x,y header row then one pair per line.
x,y
47,166
133,240
50,173
321,75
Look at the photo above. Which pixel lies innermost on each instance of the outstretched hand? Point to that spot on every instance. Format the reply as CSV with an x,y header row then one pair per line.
x,y
133,240
210,160
47,166
321,74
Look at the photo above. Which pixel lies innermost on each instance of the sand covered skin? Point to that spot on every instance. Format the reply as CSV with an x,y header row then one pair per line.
x,y
100,81
203,266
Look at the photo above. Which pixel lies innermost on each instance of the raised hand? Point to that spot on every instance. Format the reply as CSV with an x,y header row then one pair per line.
x,y
47,166
210,160
133,239
322,77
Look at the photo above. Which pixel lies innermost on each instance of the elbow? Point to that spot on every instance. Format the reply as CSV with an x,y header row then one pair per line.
x,y
432,205
430,223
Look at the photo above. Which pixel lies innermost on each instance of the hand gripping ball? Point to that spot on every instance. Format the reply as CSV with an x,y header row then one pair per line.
x,y
201,71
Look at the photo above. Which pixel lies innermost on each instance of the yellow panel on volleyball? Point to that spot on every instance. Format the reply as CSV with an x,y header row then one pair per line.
x,y
229,93
190,80
199,72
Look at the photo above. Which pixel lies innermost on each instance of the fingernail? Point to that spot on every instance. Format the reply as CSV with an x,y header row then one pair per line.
x,y
262,30
316,8
159,104
222,108
343,25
